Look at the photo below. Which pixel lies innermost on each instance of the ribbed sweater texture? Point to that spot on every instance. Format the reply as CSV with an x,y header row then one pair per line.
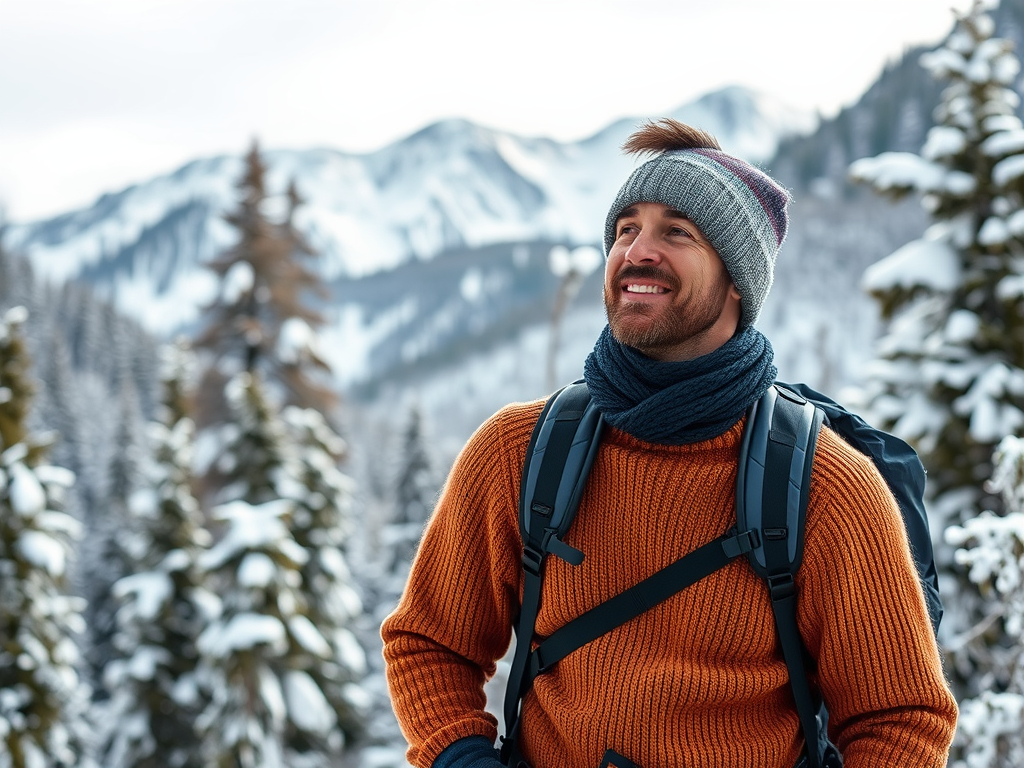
x,y
698,681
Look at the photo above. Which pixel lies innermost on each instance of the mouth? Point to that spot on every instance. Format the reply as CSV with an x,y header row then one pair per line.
x,y
642,288
644,283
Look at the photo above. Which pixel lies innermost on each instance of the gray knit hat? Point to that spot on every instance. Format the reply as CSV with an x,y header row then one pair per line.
x,y
738,208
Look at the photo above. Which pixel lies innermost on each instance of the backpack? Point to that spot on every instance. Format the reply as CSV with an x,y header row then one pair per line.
x,y
773,481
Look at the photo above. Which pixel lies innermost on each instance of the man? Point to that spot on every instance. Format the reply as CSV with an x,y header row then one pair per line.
x,y
691,241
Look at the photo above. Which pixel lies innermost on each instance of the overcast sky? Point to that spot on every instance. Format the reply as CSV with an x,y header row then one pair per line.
x,y
99,94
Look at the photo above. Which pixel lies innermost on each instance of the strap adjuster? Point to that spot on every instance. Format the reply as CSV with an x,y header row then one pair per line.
x,y
781,586
741,543
533,560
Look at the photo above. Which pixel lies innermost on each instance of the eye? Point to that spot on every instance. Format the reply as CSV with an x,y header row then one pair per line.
x,y
626,229
679,231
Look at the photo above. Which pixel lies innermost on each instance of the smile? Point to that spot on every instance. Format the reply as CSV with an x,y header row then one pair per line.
x,y
633,288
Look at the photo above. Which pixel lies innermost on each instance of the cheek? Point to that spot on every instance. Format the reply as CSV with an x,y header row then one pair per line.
x,y
611,267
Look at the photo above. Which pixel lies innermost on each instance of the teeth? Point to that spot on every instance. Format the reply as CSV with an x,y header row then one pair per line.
x,y
644,289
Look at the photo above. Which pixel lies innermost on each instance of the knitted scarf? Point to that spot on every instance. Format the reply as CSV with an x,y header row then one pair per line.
x,y
684,402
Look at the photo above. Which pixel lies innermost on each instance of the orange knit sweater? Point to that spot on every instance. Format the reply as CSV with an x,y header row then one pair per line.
x,y
699,680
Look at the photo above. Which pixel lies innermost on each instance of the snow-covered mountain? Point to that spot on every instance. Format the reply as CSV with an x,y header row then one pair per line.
x,y
451,186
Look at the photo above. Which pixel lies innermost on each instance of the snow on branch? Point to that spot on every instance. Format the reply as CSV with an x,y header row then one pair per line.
x,y
924,263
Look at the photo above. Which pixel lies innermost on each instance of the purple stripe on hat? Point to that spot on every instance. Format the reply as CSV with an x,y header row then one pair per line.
x,y
758,183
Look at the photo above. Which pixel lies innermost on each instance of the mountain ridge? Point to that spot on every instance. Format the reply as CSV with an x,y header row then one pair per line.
x,y
452,184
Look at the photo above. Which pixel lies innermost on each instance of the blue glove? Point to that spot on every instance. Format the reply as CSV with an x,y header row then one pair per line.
x,y
469,752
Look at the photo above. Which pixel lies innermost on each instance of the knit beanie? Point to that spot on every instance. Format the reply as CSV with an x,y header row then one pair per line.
x,y
738,208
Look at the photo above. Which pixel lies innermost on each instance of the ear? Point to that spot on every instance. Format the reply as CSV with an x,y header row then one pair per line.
x,y
734,292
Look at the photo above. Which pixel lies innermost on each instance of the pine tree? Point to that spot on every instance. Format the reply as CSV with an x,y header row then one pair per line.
x,y
949,376
113,545
258,659
163,606
262,321
991,726
415,492
320,524
42,701
275,458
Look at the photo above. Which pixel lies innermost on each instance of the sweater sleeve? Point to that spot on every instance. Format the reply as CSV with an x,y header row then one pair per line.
x,y
454,620
863,617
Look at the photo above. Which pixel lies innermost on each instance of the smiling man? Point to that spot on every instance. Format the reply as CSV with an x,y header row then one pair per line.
x,y
691,240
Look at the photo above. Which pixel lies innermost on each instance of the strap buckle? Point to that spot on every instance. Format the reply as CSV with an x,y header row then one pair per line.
x,y
781,586
533,560
741,543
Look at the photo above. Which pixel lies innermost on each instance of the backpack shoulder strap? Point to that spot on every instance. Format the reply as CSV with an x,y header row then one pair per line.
x,y
773,479
558,459
772,487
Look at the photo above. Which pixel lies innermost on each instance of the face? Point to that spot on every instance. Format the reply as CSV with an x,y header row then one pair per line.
x,y
666,290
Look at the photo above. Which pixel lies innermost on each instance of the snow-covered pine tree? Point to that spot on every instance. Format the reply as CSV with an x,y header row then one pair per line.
x,y
991,725
43,703
149,721
256,659
112,547
949,376
262,320
415,493
321,523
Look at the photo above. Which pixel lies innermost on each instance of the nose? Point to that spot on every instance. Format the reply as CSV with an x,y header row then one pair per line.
x,y
644,249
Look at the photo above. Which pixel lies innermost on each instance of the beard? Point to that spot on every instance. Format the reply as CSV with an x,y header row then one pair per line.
x,y
654,329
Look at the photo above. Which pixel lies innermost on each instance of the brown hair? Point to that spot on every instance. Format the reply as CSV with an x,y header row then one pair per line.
x,y
666,135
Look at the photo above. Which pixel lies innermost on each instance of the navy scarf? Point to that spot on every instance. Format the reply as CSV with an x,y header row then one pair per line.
x,y
684,402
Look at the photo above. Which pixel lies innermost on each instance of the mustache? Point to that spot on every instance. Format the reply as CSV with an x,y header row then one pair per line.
x,y
647,272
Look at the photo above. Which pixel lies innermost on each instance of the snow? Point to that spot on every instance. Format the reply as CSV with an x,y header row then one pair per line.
x,y
150,589
296,340
241,633
472,286
252,527
42,551
270,693
307,706
944,62
257,570
962,326
54,476
350,652
1011,287
145,661
991,417
1008,141
450,185
25,492
237,281
989,719
995,231
932,264
1008,170
898,170
582,260
943,141
12,317
308,636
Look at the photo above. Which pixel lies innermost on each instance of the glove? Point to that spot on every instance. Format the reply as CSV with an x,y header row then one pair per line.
x,y
469,752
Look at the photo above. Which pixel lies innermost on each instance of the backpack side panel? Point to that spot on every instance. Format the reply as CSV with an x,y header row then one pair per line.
x,y
901,467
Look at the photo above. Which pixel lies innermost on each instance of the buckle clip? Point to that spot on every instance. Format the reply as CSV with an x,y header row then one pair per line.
x,y
533,560
781,586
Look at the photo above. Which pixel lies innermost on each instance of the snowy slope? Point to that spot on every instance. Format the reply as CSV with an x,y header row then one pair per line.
x,y
451,185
